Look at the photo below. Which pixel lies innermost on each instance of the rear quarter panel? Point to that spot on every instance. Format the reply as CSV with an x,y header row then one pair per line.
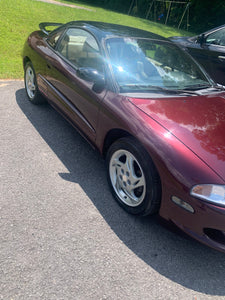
x,y
34,50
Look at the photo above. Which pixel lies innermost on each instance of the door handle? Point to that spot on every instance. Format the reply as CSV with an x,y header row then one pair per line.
x,y
221,57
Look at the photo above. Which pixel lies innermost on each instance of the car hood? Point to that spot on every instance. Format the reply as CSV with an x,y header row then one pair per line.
x,y
197,121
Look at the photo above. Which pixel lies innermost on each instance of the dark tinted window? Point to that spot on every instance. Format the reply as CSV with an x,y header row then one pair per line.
x,y
217,37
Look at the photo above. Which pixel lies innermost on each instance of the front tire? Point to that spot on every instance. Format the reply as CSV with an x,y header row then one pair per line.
x,y
133,177
31,87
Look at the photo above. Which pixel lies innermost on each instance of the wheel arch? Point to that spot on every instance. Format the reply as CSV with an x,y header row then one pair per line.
x,y
115,134
112,136
26,59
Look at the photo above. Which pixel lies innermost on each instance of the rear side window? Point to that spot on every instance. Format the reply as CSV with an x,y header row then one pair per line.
x,y
53,39
217,37
81,49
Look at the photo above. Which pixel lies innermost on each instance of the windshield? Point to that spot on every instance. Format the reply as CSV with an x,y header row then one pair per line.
x,y
145,65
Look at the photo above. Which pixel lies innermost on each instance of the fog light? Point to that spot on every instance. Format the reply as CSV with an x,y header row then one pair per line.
x,y
182,204
215,235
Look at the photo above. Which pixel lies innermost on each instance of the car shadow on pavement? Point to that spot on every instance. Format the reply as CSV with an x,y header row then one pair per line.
x,y
175,256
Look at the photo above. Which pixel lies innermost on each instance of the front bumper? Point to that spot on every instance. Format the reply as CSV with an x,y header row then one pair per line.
x,y
206,224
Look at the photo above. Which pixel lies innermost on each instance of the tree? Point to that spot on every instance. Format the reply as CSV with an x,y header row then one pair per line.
x,y
206,14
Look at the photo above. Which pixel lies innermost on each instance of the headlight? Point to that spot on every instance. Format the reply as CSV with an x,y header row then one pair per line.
x,y
210,192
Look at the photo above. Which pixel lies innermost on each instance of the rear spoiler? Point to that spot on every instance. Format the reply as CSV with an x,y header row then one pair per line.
x,y
43,26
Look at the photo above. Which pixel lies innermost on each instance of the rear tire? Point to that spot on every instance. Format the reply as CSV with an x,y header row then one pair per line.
x,y
133,178
32,91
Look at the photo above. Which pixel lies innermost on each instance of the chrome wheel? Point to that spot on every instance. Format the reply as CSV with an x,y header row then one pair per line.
x,y
30,82
127,178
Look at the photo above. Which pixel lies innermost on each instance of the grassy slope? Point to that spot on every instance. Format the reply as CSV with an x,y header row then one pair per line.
x,y
20,17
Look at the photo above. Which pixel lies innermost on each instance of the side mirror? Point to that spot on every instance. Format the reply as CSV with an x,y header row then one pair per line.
x,y
201,39
92,75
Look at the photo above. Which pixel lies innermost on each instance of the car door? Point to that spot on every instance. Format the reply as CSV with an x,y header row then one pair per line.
x,y
67,91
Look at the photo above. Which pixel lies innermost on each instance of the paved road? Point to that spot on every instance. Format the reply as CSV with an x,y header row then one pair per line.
x,y
62,236
65,4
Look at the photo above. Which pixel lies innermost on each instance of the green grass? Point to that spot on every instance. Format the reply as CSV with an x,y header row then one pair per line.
x,y
18,18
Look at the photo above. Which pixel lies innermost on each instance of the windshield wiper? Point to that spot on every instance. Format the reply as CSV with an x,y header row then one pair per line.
x,y
156,88
195,87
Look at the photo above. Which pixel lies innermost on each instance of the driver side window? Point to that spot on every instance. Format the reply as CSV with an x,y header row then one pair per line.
x,y
81,49
216,38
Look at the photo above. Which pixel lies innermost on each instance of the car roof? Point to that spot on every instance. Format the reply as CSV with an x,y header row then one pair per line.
x,y
105,30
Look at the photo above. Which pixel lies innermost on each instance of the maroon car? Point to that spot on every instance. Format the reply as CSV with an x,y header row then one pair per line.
x,y
151,111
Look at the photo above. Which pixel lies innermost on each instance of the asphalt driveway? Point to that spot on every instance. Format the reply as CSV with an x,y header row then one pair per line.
x,y
62,236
